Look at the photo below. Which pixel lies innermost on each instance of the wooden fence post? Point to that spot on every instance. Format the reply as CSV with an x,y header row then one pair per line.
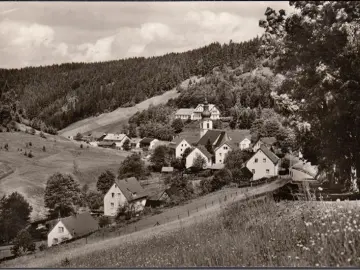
x,y
178,216
135,228
197,209
212,202
86,240
236,192
188,213
205,206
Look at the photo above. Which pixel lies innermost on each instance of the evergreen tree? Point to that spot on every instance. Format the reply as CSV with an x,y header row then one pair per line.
x,y
105,181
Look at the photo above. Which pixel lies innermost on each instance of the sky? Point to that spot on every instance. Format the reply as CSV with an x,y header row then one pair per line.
x,y
46,33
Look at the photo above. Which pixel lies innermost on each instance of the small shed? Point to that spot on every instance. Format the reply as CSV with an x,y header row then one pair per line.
x,y
167,169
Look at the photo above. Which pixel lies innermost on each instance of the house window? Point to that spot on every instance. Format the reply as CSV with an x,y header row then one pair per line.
x,y
61,229
112,195
119,194
256,160
208,125
220,160
220,154
56,240
112,205
225,147
267,171
253,171
264,160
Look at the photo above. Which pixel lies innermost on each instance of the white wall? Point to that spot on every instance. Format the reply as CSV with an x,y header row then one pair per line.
x,y
244,144
191,157
181,148
221,153
117,200
152,144
257,146
261,167
54,233
139,205
297,175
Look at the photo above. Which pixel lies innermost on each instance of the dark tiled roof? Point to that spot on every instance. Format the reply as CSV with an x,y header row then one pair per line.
x,y
147,140
213,135
172,191
130,186
246,172
97,134
274,158
80,224
175,142
204,151
238,136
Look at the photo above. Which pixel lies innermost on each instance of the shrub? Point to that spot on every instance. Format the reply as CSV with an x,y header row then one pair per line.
x,y
30,155
81,146
42,135
44,149
30,143
104,221
32,131
42,247
23,243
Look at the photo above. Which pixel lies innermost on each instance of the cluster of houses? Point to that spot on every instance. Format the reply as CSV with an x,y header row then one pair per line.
x,y
117,141
263,163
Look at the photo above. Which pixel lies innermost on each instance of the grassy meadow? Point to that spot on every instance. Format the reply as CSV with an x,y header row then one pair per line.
x,y
265,234
30,174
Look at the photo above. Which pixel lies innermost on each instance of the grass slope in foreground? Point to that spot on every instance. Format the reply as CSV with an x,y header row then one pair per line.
x,y
265,234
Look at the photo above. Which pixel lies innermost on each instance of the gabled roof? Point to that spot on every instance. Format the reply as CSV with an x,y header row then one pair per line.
x,y
307,168
80,224
114,137
147,140
215,136
211,107
238,136
231,145
157,196
204,151
131,188
269,141
172,191
246,172
274,158
184,111
175,142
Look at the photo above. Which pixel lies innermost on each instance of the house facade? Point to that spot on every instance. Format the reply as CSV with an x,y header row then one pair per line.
x,y
263,163
215,113
244,144
178,147
122,192
118,139
71,227
184,114
198,151
221,152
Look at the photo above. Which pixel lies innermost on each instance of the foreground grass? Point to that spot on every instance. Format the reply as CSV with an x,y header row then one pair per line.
x,y
266,234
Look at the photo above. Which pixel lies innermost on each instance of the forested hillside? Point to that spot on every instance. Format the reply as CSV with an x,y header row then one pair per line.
x,y
59,95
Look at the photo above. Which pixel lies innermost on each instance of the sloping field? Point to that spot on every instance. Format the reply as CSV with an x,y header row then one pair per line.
x,y
79,251
60,155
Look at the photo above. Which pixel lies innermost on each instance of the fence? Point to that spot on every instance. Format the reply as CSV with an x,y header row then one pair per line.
x,y
177,213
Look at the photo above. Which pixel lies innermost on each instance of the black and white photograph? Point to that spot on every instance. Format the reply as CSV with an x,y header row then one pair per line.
x,y
179,134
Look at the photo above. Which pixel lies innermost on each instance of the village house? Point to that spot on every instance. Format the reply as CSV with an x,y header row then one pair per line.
x,y
267,141
184,114
135,142
148,143
199,151
178,146
245,144
96,136
221,151
72,227
124,192
197,114
118,139
263,163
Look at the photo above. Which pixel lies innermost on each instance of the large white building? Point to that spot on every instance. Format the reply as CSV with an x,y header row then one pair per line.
x,y
118,139
196,114
124,192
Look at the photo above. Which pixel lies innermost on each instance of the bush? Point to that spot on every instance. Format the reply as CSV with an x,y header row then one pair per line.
x,y
81,146
104,221
42,135
42,247
23,243
30,155
32,131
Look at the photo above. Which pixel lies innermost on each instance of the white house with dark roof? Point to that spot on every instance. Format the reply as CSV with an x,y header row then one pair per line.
x,y
221,151
263,163
245,144
122,192
215,113
118,139
71,227
148,143
199,151
178,146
